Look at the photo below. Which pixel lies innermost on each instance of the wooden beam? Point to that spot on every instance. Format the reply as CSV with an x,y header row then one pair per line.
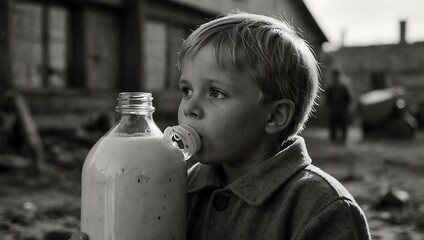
x,y
75,48
133,42
177,13
5,63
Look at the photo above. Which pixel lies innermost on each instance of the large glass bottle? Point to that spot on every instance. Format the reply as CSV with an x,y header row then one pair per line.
x,y
134,178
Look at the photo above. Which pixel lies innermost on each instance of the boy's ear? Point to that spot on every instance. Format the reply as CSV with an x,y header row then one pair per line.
x,y
280,116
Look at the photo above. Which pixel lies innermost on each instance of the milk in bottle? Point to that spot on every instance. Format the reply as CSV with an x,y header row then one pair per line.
x,y
134,178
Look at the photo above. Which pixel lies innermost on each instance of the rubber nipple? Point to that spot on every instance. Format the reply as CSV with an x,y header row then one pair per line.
x,y
185,138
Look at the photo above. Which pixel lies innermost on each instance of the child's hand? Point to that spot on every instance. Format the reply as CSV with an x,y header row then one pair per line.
x,y
79,236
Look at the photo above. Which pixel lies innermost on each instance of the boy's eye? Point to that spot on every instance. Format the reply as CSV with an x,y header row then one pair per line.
x,y
186,91
217,94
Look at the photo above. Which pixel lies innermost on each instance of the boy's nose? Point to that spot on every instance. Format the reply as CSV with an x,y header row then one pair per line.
x,y
192,109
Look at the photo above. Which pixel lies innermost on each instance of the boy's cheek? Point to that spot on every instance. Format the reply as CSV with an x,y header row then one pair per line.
x,y
180,116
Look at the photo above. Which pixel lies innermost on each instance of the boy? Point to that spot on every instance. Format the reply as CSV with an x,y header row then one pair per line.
x,y
249,84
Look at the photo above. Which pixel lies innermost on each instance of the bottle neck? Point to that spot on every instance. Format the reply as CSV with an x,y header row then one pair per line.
x,y
135,114
136,103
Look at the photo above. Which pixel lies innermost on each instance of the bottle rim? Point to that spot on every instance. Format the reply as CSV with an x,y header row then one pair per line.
x,y
135,101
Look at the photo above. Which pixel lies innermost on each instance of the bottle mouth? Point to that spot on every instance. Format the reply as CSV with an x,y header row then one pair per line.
x,y
135,101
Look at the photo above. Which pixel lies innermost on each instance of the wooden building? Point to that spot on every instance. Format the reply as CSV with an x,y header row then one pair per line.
x,y
70,58
384,66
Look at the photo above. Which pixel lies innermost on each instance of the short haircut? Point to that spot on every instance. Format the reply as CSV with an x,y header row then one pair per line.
x,y
278,60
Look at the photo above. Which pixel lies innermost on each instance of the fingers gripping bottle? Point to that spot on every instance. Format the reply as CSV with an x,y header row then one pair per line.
x,y
134,178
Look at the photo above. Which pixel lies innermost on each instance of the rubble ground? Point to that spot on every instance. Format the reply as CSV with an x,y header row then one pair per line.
x,y
384,176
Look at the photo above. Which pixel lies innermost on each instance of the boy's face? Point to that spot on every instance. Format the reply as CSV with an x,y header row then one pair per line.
x,y
224,106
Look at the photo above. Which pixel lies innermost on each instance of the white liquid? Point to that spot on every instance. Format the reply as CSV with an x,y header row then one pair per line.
x,y
133,188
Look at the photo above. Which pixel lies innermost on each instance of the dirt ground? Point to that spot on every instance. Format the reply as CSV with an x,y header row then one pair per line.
x,y
374,171
47,206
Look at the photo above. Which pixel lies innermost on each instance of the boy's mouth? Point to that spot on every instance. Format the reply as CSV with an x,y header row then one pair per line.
x,y
195,129
201,137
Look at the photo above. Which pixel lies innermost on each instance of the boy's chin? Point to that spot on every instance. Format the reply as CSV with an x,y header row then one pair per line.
x,y
199,158
206,160
207,157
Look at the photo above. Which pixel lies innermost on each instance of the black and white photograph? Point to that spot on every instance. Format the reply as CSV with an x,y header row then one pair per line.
x,y
211,119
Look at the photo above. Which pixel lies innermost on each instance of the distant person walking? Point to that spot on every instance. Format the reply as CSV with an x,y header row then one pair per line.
x,y
338,99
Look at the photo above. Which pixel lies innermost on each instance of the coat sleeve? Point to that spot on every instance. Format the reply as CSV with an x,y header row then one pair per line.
x,y
342,219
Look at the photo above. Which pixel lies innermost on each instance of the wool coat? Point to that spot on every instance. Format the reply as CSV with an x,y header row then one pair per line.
x,y
286,197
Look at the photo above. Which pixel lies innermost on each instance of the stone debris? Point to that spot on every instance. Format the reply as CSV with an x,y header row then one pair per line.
x,y
394,197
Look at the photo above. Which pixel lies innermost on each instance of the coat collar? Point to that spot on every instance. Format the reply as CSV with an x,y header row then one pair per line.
x,y
259,185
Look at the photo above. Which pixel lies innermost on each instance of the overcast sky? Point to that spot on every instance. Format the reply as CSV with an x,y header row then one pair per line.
x,y
368,22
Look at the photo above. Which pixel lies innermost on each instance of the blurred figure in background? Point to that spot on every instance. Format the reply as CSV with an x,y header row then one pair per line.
x,y
339,99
